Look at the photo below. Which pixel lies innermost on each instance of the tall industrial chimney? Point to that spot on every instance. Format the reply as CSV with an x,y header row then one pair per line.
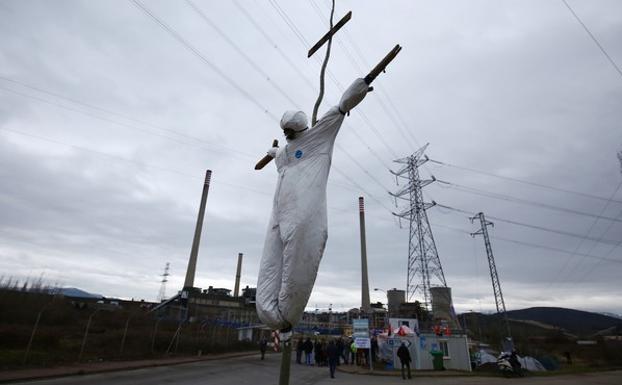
x,y
238,273
364,281
192,263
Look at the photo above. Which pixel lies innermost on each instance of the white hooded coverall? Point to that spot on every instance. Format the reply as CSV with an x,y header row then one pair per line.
x,y
297,231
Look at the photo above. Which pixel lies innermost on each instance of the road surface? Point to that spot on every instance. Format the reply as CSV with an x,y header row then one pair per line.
x,y
251,370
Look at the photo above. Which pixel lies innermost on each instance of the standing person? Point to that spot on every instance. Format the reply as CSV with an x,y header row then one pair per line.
x,y
404,356
374,349
333,357
319,354
299,349
339,346
353,350
308,349
345,352
516,366
298,227
263,345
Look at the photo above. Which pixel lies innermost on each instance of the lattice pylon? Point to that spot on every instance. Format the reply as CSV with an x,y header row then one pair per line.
x,y
162,292
424,264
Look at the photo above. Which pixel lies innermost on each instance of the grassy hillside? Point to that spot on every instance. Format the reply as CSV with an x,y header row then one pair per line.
x,y
580,323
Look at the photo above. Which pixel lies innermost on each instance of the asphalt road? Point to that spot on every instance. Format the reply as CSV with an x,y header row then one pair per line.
x,y
252,371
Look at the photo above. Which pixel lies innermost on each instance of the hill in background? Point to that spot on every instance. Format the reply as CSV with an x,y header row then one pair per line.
x,y
577,322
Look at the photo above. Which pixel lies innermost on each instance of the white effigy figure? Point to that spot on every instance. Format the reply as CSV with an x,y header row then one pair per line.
x,y
298,228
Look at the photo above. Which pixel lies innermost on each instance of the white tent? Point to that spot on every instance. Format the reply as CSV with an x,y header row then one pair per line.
x,y
483,357
531,364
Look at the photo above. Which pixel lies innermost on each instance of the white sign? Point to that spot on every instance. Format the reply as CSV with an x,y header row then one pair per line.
x,y
362,342
360,328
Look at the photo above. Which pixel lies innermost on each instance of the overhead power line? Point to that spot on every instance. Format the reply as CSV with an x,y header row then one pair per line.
x,y
165,169
509,198
534,245
306,80
282,54
111,112
201,143
566,264
399,122
123,159
531,226
525,181
594,39
265,75
306,44
187,45
241,52
171,31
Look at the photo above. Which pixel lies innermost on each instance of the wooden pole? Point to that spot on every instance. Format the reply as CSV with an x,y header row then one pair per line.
x,y
127,324
155,332
32,336
286,359
266,159
86,333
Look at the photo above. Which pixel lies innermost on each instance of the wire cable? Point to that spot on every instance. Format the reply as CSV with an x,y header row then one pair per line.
x,y
241,52
305,78
306,44
159,168
594,39
559,272
172,32
124,159
508,198
524,181
111,112
399,122
534,245
186,44
222,149
535,227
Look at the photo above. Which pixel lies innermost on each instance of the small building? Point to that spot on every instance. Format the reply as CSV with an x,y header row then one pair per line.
x,y
455,348
455,351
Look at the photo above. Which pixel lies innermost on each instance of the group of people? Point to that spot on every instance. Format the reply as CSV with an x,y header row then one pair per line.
x,y
318,352
323,353
333,352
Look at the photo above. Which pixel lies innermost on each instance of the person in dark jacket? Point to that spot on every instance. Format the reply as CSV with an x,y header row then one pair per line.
x,y
404,356
345,351
299,350
374,349
319,354
339,346
308,349
333,357
263,345
515,362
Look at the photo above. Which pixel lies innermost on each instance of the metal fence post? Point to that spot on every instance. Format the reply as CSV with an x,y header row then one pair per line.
x,y
86,333
127,323
155,332
32,335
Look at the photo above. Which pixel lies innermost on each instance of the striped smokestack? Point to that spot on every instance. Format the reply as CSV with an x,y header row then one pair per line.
x,y
364,281
238,273
192,262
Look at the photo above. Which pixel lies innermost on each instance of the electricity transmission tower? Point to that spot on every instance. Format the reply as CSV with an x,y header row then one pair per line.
x,y
162,292
496,283
424,265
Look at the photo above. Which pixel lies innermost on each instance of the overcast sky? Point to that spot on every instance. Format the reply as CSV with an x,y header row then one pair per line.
x,y
108,122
